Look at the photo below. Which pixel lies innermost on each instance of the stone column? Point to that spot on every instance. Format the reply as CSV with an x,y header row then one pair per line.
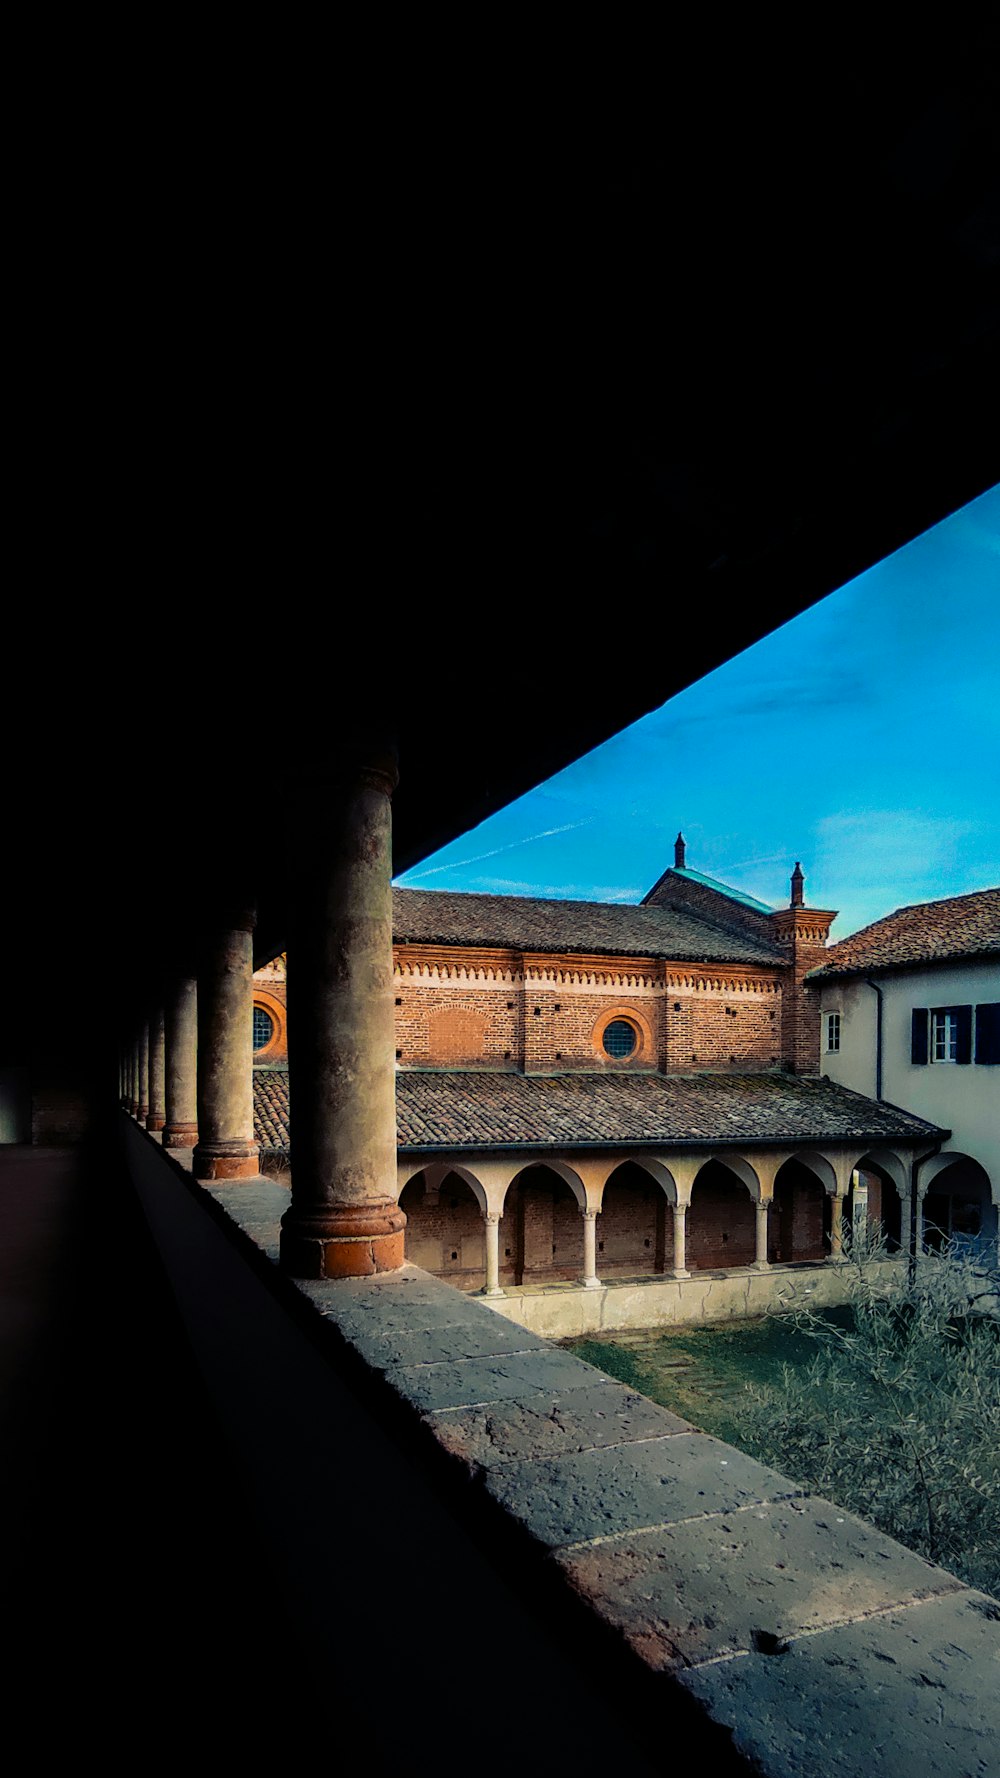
x,y
343,1220
157,1115
919,1236
680,1241
492,1221
142,1109
226,1148
181,1127
837,1228
762,1263
590,1278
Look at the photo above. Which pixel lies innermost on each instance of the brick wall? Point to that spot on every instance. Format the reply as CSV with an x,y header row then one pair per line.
x,y
721,1223
635,1230
802,934
799,1217
499,1014
708,904
444,1231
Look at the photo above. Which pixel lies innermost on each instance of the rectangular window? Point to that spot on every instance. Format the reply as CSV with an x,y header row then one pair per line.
x,y
951,1034
944,1036
832,1032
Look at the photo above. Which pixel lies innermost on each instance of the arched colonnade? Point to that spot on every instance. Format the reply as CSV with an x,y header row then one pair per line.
x,y
490,1219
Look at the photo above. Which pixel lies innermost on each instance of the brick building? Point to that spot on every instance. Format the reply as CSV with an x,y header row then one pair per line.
x,y
590,1091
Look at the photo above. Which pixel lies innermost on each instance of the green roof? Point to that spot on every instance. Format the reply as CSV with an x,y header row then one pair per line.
x,y
695,876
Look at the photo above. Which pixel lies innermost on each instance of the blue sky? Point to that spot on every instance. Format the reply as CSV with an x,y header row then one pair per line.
x,y
862,738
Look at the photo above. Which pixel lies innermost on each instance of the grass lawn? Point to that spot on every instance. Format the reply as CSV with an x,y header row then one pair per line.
x,y
701,1372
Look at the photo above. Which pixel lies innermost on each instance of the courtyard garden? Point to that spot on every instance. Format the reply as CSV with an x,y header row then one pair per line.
x,y
889,1406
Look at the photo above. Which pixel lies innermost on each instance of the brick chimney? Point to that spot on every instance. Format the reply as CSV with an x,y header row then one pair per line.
x,y
802,934
679,852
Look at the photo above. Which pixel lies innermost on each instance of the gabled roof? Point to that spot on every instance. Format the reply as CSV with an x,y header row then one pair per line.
x,y
695,876
513,922
927,932
474,1109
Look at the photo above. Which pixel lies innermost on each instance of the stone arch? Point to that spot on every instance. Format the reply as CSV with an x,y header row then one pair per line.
x,y
740,1166
882,1176
890,1163
444,1223
959,1208
635,1232
722,1220
542,1223
821,1165
657,1170
799,1219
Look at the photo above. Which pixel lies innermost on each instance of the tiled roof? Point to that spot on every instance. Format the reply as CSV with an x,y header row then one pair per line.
x,y
483,1110
514,922
270,1107
930,932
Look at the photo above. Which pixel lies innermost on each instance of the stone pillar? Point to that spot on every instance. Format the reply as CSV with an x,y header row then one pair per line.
x,y
343,1220
837,1228
492,1221
181,1127
680,1240
142,1109
226,1148
157,1115
919,1236
590,1278
762,1263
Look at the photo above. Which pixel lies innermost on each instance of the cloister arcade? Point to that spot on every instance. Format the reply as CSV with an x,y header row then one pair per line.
x,y
496,1221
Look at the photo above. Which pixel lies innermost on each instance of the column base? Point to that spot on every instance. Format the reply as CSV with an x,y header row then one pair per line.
x,y
679,1272
226,1160
155,1123
762,1265
180,1135
142,1112
592,1284
495,1292
349,1241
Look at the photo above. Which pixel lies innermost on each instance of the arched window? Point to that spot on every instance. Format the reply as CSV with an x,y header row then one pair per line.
x,y
263,1028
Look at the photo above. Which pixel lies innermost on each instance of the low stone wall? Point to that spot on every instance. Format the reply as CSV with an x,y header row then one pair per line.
x,y
760,1629
561,1311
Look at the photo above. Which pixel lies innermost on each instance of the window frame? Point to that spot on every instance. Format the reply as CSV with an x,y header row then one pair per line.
x,y
829,1048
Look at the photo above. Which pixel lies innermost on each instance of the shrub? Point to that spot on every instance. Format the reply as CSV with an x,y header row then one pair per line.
x,y
897,1415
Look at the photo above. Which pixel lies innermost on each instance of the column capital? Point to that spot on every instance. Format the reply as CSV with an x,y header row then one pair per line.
x,y
491,1216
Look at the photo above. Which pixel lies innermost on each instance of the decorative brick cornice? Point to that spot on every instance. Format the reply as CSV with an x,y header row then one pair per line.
x,y
700,981
482,967
485,968
594,971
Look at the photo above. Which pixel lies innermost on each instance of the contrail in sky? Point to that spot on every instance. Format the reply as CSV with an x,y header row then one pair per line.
x,y
512,845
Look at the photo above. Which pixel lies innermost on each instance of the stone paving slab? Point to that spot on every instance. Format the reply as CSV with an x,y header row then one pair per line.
x,y
692,1592
600,1493
913,1694
482,1337
547,1424
403,1312
476,1380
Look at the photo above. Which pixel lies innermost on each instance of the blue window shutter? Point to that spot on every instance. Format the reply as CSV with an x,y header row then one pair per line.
x,y
918,1034
988,1032
963,1022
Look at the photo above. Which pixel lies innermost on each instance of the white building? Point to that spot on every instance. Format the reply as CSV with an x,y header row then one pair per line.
x,y
910,1014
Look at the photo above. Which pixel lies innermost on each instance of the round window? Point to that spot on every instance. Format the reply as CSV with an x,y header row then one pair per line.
x,y
263,1028
619,1038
